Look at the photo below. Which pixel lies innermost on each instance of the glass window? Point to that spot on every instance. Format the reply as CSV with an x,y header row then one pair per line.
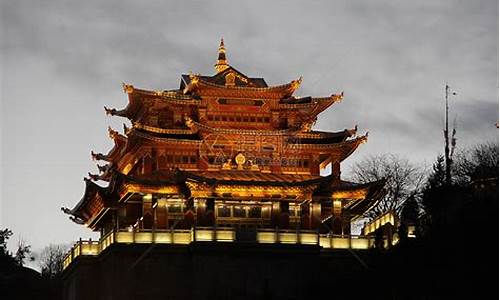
x,y
223,211
239,212
174,208
255,212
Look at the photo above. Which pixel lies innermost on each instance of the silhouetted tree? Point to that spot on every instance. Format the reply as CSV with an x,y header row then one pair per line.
x,y
23,250
404,180
5,234
51,260
477,162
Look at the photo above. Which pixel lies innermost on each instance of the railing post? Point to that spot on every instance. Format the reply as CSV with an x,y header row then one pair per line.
x,y
153,232
193,230
276,235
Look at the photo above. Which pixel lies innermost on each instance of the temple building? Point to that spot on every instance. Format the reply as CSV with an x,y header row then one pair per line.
x,y
224,158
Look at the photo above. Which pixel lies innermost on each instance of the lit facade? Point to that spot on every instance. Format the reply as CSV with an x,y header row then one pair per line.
x,y
224,158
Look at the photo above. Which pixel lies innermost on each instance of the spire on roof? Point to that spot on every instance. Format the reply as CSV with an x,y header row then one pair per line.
x,y
221,64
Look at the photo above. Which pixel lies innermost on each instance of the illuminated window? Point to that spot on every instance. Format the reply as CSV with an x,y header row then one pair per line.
x,y
174,209
223,211
239,212
255,212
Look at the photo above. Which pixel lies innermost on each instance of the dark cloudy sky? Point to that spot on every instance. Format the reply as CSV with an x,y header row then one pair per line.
x,y
62,61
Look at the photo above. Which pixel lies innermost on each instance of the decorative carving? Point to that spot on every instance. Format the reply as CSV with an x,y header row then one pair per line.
x,y
240,160
230,78
128,88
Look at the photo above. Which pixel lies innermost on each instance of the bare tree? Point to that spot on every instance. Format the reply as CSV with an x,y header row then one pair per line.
x,y
477,162
51,260
404,180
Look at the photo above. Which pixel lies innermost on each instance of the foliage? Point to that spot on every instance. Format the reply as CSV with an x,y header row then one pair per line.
x,y
5,234
23,250
403,180
478,162
51,260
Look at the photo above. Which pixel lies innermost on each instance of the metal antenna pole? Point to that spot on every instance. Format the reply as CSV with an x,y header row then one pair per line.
x,y
447,140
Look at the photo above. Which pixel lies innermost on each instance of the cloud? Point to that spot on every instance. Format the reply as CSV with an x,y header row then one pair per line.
x,y
64,60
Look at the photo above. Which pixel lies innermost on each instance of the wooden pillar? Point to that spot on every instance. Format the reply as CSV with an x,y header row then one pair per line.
x,y
337,218
147,164
346,222
305,216
147,212
284,221
336,171
275,213
315,215
161,214
200,212
314,165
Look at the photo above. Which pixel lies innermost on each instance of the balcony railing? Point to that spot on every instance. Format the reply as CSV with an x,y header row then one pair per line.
x,y
216,234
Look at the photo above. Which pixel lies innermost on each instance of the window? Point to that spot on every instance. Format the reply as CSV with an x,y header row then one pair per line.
x,y
255,212
223,211
239,212
174,209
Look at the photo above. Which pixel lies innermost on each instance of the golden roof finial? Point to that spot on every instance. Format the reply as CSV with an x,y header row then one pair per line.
x,y
221,64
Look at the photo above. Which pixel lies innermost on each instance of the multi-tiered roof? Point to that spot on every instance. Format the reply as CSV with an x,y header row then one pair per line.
x,y
222,139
